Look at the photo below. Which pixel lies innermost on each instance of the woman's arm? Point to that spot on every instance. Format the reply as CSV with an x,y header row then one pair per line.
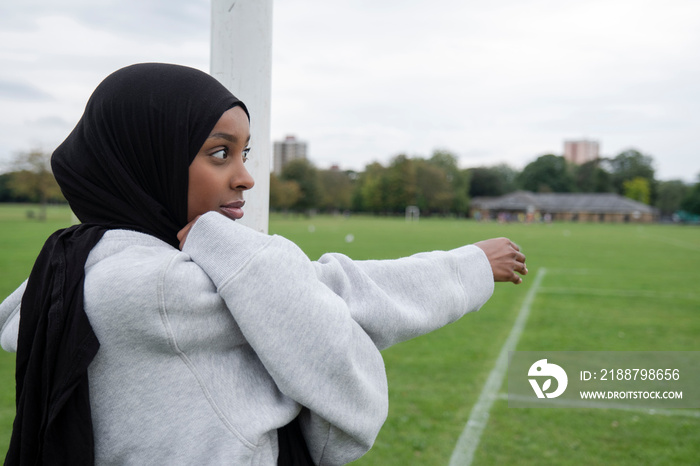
x,y
395,300
9,318
302,332
317,326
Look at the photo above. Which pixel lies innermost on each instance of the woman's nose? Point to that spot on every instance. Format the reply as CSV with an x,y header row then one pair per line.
x,y
242,179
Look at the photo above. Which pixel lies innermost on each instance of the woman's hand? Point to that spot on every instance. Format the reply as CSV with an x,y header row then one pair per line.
x,y
182,234
505,259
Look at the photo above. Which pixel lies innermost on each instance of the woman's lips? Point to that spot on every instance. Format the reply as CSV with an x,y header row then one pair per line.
x,y
233,210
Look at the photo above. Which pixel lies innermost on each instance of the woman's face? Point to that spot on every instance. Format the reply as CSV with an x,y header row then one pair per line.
x,y
217,176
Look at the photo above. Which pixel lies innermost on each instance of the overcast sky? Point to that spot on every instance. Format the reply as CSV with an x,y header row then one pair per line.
x,y
502,81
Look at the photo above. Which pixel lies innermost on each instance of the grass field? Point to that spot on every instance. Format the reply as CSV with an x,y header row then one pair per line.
x,y
607,288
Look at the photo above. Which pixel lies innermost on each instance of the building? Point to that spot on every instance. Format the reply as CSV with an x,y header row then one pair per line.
x,y
580,152
573,207
286,151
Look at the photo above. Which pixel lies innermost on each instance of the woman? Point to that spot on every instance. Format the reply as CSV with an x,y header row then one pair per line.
x,y
161,331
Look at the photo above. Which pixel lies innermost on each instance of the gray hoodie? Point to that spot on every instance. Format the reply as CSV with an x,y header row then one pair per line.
x,y
205,352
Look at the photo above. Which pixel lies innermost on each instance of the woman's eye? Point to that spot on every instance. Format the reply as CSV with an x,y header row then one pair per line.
x,y
220,154
246,151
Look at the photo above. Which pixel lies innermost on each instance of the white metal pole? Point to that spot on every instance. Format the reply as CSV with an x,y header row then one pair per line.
x,y
241,59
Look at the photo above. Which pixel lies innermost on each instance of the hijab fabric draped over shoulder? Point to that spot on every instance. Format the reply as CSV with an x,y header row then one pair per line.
x,y
125,165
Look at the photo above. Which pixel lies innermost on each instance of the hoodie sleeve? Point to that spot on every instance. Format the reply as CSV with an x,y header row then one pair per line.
x,y
302,332
395,300
9,317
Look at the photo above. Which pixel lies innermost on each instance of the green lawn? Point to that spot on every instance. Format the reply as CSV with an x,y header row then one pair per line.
x,y
21,239
608,287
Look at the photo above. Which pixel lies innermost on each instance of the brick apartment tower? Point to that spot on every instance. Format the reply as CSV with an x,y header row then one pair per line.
x,y
580,152
286,151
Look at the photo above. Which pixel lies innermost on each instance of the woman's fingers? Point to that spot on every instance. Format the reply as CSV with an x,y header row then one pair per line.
x,y
505,259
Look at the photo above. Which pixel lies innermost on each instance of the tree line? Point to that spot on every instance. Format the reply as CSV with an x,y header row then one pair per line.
x,y
436,185
31,180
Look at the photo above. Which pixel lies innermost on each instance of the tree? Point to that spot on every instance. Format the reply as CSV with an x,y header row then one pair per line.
x,y
336,187
458,180
33,179
460,186
508,176
283,194
637,189
549,173
6,194
492,181
370,192
445,160
628,165
400,184
434,191
590,177
485,182
691,203
670,194
306,176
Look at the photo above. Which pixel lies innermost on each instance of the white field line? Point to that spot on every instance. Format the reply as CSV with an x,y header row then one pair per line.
x,y
621,293
468,441
617,406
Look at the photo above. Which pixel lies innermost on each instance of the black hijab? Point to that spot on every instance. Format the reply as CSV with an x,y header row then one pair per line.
x,y
125,165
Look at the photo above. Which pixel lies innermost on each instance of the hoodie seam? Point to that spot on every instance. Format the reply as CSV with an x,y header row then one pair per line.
x,y
172,341
245,264
325,445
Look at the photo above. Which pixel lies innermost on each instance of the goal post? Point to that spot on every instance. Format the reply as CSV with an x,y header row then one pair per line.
x,y
241,59
412,213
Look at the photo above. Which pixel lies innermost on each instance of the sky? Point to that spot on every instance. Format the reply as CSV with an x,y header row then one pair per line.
x,y
360,81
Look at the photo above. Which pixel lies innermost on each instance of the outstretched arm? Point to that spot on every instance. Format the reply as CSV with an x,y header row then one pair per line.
x,y
302,333
395,300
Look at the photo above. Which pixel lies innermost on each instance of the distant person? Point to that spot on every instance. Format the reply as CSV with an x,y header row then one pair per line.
x,y
161,331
